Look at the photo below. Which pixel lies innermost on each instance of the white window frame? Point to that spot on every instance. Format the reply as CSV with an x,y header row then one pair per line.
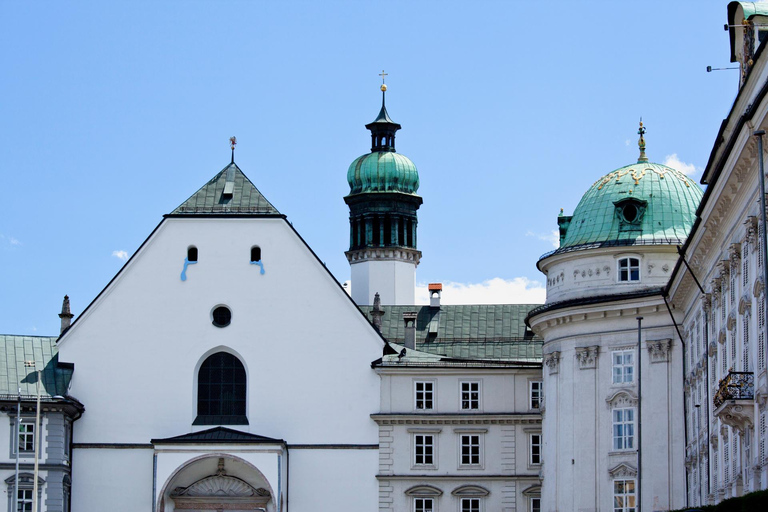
x,y
424,396
424,440
465,395
466,504
623,372
535,440
535,394
623,428
625,496
471,440
424,504
534,500
624,264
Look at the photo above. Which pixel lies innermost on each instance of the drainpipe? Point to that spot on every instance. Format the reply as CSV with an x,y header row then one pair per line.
x,y
639,409
761,178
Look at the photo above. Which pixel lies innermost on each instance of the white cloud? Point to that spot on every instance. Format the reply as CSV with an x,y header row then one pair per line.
x,y
15,242
688,169
627,142
121,255
553,237
518,290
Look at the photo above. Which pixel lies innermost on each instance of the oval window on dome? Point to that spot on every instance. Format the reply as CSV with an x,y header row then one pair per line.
x,y
630,213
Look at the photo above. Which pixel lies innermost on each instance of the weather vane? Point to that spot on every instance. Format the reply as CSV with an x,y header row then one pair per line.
x,y
232,144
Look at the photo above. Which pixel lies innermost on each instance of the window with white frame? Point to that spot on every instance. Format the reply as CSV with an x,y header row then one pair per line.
x,y
629,269
624,428
534,449
26,437
20,496
536,393
424,449
470,504
423,505
623,366
534,504
624,496
470,449
424,395
470,396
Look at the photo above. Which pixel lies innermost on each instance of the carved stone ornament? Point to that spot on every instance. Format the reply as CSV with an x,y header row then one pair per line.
x,y
713,440
712,349
622,398
587,357
552,361
757,290
623,470
732,321
745,303
722,336
724,268
220,492
751,231
658,350
715,284
734,256
706,302
736,415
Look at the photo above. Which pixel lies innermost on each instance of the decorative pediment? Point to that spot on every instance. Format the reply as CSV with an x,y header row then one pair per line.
x,y
623,470
745,303
470,490
658,350
622,398
587,357
215,486
534,490
423,490
552,361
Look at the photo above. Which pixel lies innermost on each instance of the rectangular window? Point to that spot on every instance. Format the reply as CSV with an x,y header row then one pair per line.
x,y
535,504
534,449
24,500
624,496
470,449
423,449
536,393
623,366
470,396
629,269
470,504
425,394
624,429
423,505
26,437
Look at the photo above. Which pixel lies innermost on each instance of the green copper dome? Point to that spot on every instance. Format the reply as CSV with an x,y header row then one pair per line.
x,y
383,171
640,204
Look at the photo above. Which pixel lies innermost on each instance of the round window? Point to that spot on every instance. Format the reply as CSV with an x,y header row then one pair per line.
x,y
630,212
222,316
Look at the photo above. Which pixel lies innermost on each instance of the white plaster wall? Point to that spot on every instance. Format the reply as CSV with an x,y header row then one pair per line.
x,y
395,281
117,480
333,480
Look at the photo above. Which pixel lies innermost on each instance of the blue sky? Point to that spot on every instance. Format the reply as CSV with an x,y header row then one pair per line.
x,y
113,113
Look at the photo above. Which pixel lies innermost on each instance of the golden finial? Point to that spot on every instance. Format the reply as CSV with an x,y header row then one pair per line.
x,y
641,143
232,144
383,76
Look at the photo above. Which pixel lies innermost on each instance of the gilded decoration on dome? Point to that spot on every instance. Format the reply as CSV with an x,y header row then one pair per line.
x,y
637,175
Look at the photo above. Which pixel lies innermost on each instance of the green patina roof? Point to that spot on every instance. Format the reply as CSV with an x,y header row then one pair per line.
x,y
750,9
383,171
14,375
479,331
670,199
230,191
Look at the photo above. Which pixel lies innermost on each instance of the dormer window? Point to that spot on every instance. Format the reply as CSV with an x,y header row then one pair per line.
x,y
630,212
629,269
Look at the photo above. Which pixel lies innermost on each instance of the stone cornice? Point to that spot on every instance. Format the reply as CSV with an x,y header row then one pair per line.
x,y
462,476
384,254
458,419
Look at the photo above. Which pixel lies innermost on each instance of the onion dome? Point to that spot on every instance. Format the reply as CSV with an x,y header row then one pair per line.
x,y
640,204
383,170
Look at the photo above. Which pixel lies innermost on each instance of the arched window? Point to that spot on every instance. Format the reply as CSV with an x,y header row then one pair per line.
x,y
255,253
221,390
192,253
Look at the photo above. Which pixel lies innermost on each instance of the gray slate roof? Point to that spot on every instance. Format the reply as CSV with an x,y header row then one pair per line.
x,y
219,435
479,331
14,375
242,198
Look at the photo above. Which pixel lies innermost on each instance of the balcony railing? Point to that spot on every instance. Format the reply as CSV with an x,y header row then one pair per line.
x,y
735,386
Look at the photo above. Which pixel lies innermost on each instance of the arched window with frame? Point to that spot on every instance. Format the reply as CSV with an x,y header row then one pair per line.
x,y
221,391
629,269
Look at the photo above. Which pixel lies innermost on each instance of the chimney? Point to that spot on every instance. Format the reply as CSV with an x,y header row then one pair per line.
x,y
65,315
377,312
435,290
410,329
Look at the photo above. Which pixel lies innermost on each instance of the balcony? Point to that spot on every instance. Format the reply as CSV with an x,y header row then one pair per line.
x,y
734,400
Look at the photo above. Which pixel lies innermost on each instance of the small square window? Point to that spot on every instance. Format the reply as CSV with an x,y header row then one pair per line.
x,y
423,505
470,449
470,396
423,449
629,269
536,393
424,395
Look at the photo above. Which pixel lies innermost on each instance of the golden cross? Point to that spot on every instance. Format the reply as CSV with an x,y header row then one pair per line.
x,y
382,75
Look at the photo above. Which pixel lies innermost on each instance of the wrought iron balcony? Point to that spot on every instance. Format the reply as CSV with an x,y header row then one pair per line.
x,y
735,386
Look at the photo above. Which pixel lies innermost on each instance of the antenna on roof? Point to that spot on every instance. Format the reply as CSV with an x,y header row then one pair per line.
x,y
711,69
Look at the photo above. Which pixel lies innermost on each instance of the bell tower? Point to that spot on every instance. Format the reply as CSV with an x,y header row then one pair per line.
x,y
382,202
